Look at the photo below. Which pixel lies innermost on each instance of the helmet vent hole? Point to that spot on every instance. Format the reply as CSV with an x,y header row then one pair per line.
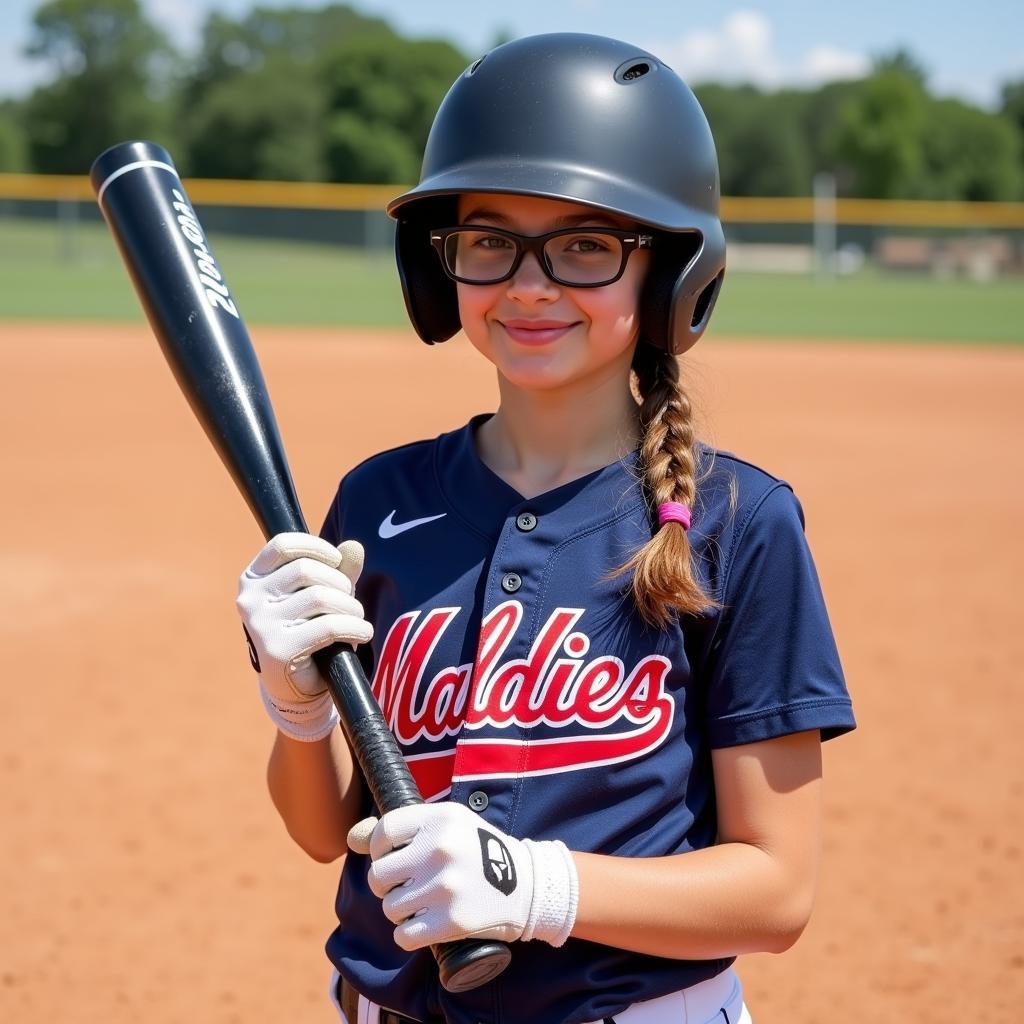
x,y
632,70
472,67
705,301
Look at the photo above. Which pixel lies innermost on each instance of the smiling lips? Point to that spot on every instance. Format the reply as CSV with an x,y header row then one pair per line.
x,y
536,332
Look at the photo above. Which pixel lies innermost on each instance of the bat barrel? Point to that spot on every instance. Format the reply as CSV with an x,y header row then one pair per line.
x,y
195,319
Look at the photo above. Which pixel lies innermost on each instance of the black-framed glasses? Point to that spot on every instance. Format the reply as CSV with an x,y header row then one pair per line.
x,y
574,257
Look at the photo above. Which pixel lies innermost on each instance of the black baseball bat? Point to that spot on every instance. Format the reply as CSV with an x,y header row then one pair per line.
x,y
195,318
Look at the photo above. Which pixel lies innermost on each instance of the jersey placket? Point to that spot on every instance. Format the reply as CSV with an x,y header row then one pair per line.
x,y
491,745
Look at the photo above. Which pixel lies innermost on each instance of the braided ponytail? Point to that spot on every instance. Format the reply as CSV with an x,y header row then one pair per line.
x,y
663,576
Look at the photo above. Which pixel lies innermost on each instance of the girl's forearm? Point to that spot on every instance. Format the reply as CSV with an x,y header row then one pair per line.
x,y
316,791
723,901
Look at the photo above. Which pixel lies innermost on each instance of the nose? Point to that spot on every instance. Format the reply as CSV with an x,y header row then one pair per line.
x,y
529,283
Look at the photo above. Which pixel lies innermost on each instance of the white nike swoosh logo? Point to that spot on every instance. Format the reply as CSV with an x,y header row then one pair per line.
x,y
389,528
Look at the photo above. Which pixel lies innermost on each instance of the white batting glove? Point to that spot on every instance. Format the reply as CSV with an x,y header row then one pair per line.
x,y
442,873
295,598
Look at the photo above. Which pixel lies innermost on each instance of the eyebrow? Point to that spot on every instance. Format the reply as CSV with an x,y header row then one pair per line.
x,y
569,220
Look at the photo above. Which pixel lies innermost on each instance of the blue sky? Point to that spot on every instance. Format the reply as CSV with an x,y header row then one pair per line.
x,y
968,49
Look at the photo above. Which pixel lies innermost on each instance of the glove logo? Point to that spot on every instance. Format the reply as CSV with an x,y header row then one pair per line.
x,y
253,657
497,862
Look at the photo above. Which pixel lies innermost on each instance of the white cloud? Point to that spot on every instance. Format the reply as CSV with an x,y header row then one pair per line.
x,y
750,32
984,90
739,50
19,75
742,49
182,20
825,63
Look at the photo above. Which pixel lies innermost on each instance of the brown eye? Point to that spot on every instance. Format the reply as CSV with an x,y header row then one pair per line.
x,y
586,244
493,242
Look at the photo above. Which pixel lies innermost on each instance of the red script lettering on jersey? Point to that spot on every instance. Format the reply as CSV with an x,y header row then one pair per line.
x,y
554,685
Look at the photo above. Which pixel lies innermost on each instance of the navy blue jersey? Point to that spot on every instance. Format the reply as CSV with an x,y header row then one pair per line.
x,y
520,680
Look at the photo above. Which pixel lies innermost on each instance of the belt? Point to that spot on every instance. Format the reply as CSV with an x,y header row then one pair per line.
x,y
358,1009
719,1000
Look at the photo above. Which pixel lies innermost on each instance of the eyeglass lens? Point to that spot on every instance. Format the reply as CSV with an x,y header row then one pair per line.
x,y
584,258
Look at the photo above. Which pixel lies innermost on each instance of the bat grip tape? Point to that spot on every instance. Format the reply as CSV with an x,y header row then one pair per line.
x,y
373,745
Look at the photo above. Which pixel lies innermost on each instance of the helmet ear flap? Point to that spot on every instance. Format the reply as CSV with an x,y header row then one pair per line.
x,y
665,287
691,311
430,297
656,303
677,297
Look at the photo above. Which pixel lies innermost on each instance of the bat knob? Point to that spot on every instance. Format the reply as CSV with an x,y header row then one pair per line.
x,y
470,963
112,163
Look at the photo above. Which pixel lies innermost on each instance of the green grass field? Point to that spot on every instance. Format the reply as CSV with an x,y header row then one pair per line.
x,y
77,275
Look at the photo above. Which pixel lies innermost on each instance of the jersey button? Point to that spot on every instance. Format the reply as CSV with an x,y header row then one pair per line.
x,y
478,800
511,582
526,521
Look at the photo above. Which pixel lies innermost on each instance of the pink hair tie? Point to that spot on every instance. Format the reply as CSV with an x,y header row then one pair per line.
x,y
674,512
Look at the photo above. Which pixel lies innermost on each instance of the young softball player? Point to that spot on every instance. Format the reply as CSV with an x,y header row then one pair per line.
x,y
600,643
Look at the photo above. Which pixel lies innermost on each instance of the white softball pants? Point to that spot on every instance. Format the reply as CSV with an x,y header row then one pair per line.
x,y
719,1000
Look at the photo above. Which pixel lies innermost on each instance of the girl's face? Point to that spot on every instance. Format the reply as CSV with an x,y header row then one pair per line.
x,y
543,336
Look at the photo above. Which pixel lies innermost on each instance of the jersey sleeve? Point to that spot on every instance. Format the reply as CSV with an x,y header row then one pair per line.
x,y
773,668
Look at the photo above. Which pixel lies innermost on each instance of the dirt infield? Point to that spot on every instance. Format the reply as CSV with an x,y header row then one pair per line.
x,y
146,876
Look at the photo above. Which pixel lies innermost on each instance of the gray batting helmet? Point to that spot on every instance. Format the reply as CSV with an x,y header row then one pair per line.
x,y
580,118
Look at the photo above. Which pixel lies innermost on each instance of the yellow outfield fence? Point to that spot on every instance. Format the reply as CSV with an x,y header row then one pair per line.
x,y
821,234
301,195
908,212
735,209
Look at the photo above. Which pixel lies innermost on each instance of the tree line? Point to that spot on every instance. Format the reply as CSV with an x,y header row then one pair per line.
x,y
332,94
